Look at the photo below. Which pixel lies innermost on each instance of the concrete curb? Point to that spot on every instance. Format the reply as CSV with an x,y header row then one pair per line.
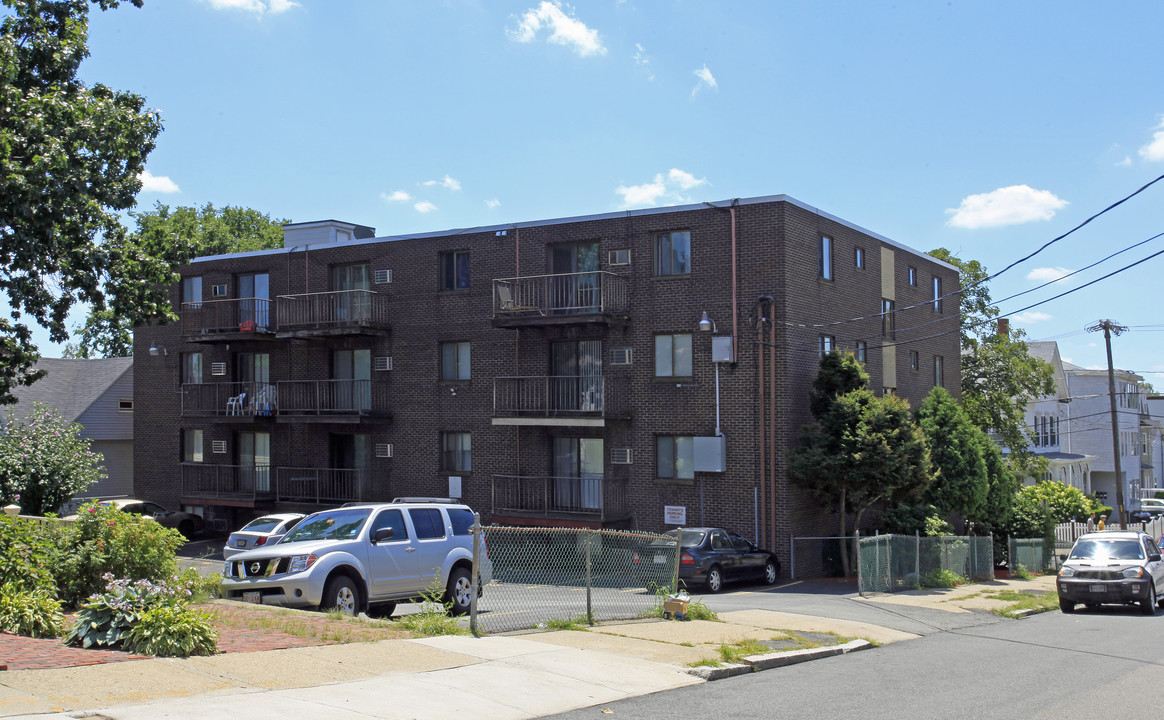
x,y
756,663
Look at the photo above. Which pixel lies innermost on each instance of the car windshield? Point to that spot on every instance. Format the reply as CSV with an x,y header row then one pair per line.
x,y
1108,550
331,525
690,538
263,524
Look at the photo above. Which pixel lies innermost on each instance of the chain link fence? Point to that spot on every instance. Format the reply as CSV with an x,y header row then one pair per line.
x,y
889,563
546,578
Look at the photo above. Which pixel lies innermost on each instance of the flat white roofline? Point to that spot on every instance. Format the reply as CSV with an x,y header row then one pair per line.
x,y
723,204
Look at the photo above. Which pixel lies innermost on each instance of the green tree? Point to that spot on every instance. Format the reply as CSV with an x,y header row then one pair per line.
x,y
44,462
960,485
999,376
173,236
861,450
70,157
1003,484
1062,501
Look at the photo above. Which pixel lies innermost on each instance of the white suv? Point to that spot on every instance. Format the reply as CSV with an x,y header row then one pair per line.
x,y
360,555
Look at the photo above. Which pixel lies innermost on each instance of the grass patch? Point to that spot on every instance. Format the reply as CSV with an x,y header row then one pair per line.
x,y
570,623
314,627
696,609
1019,601
435,616
733,652
1020,572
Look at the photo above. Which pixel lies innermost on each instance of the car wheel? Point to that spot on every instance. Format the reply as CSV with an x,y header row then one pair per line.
x,y
1066,605
1149,605
714,580
459,594
341,594
770,572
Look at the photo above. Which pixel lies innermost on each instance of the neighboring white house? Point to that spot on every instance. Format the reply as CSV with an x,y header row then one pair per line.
x,y
97,394
1053,434
1091,431
1152,457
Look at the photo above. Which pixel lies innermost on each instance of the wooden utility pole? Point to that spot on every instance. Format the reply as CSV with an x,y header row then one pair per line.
x,y
1110,328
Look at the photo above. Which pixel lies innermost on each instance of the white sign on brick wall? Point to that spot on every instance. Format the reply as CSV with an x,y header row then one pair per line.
x,y
675,514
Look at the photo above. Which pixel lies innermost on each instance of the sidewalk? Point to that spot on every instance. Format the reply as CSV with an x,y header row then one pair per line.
x,y
505,677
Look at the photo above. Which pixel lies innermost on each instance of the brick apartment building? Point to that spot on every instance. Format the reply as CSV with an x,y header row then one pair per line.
x,y
630,369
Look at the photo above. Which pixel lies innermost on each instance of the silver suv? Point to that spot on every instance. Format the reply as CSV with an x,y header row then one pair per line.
x,y
1112,567
356,556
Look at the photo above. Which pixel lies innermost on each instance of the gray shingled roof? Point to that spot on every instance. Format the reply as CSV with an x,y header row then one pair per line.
x,y
70,386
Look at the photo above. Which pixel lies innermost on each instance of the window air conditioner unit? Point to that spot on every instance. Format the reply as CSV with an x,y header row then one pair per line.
x,y
383,450
382,277
620,356
621,456
618,257
382,363
218,447
218,368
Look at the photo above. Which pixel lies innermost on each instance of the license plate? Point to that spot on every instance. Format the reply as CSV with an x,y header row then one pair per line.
x,y
660,559
240,543
253,596
1097,588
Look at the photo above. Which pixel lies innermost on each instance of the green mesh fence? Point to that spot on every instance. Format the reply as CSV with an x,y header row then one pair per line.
x,y
545,578
889,563
1031,554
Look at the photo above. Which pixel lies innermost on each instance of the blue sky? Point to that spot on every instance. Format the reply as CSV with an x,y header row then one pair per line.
x,y
986,128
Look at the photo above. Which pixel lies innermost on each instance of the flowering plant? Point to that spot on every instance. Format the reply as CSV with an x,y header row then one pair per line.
x,y
106,618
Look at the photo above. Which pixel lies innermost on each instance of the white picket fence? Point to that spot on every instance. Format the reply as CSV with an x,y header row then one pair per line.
x,y
1066,533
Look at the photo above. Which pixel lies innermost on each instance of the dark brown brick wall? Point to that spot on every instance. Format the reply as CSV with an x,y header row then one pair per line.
x,y
776,256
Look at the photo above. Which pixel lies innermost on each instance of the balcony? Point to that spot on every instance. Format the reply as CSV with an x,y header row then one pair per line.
x,y
238,485
226,320
564,299
318,485
563,498
568,400
332,400
230,401
327,314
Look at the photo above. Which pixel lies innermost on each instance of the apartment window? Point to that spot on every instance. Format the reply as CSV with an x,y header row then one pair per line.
x,y
455,270
862,350
191,367
914,361
888,391
826,257
913,276
192,291
191,445
939,371
673,253
456,452
673,355
937,301
888,324
859,257
455,361
125,405
826,344
675,457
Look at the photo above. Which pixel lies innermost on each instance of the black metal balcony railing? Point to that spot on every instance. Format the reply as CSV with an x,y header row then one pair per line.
x,y
332,397
584,293
558,395
544,496
242,482
327,310
226,399
222,316
318,485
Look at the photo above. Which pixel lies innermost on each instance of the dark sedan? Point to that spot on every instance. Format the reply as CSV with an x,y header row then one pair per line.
x,y
713,556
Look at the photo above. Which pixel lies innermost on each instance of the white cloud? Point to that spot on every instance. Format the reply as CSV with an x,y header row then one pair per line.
x,y
395,196
1154,150
1005,206
643,60
424,206
564,29
1048,274
494,203
1031,317
1126,162
667,187
157,183
706,79
258,7
446,182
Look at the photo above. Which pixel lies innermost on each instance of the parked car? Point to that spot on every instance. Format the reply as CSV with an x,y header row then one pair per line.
x,y
357,556
265,530
1152,506
1112,567
713,556
186,523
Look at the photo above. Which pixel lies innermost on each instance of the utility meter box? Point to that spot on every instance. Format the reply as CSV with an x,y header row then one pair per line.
x,y
710,454
721,349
